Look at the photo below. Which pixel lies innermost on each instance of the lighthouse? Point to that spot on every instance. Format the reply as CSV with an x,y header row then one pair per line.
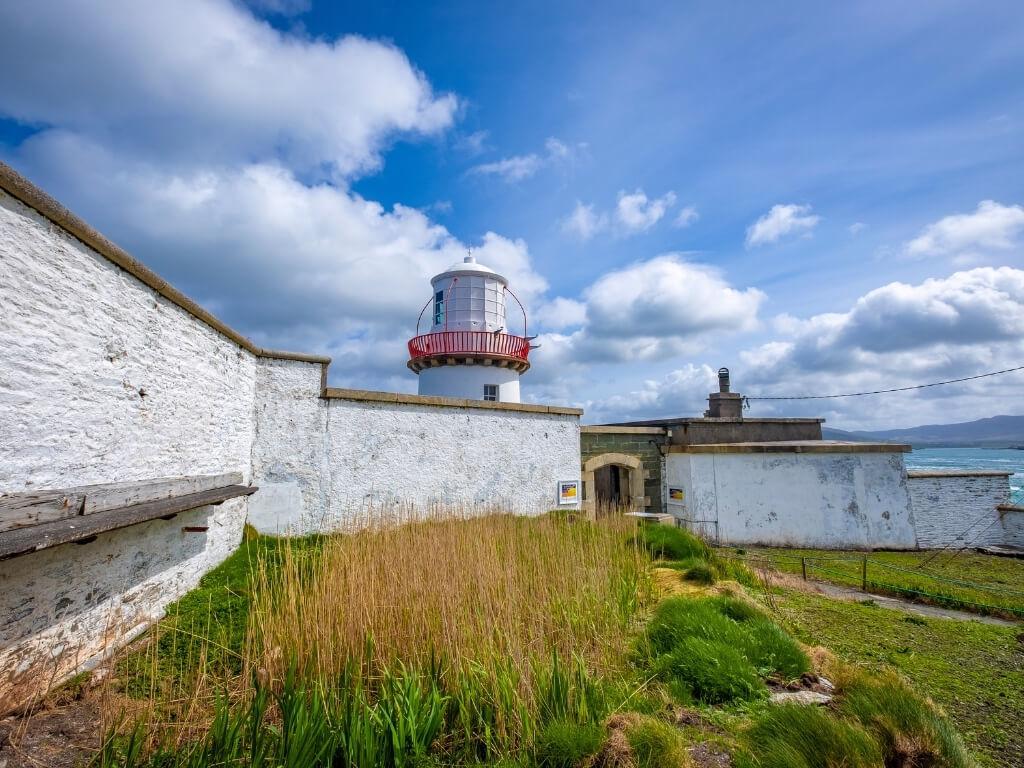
x,y
469,351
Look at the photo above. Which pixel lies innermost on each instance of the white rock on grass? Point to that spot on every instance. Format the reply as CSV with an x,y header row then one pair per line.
x,y
800,697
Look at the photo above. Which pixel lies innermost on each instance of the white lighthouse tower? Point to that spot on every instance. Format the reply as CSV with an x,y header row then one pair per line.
x,y
469,352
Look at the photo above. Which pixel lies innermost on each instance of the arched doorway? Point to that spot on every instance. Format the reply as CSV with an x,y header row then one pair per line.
x,y
613,481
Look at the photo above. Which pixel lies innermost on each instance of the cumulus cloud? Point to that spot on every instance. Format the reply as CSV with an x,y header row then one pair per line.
x,y
206,81
656,308
561,313
899,335
681,392
584,222
992,227
635,212
781,221
519,167
686,216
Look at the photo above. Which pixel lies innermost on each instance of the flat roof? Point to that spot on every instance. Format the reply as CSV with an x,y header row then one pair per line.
x,y
959,473
709,420
793,446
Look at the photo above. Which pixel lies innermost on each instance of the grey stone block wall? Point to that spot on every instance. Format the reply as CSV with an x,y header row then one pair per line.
x,y
957,509
644,447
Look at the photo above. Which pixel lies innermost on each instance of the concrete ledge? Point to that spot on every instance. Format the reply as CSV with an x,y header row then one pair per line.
x,y
21,189
957,473
714,420
1010,508
792,446
363,395
597,429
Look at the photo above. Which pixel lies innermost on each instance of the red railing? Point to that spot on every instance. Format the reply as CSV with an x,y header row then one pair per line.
x,y
468,343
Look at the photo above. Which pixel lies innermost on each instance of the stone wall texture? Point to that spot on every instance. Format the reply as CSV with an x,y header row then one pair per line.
x,y
103,380
959,509
326,463
642,446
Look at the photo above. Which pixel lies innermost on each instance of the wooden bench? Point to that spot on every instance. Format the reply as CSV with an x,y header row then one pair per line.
x,y
35,520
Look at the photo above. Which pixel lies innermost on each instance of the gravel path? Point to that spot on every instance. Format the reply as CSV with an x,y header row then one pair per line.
x,y
895,603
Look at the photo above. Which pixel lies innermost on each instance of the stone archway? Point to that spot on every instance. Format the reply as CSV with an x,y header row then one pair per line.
x,y
635,480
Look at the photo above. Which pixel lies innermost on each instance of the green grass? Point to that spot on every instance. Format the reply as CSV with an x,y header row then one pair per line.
x,y
795,736
711,653
974,671
718,650
968,580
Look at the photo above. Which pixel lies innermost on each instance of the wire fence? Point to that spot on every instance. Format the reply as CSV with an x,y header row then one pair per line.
x,y
869,575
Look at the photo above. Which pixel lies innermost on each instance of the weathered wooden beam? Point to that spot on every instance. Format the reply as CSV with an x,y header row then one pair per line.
x,y
22,541
21,510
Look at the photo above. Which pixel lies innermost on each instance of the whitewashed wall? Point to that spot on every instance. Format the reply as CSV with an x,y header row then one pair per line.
x,y
852,500
103,380
957,508
322,463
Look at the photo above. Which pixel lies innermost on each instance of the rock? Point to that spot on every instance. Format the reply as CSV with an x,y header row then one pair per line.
x,y
800,697
826,685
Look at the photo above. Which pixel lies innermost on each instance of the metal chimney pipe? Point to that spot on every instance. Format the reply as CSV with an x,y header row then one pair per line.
x,y
723,379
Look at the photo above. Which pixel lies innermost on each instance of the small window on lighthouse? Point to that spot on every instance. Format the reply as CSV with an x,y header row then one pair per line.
x,y
439,308
491,392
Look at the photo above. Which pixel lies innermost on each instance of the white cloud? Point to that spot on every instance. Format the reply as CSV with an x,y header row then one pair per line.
x,y
584,222
204,81
652,310
900,335
520,167
473,143
561,313
991,227
687,216
510,169
635,212
681,392
780,221
856,228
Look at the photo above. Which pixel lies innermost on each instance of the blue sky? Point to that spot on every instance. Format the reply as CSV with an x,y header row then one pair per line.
x,y
822,196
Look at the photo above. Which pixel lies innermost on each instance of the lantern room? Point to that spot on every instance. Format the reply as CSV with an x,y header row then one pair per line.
x,y
469,351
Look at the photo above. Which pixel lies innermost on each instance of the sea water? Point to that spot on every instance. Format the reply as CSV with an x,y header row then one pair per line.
x,y
973,458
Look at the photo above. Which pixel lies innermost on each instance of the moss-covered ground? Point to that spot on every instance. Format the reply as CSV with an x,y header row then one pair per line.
x,y
966,580
974,671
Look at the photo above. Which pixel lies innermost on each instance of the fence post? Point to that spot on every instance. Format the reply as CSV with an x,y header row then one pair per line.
x,y
864,574
803,567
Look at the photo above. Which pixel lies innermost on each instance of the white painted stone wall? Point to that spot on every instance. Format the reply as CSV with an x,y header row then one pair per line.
x,y
825,500
1012,521
103,380
959,508
323,464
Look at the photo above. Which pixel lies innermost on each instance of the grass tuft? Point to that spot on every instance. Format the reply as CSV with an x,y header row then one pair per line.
x,y
794,736
565,744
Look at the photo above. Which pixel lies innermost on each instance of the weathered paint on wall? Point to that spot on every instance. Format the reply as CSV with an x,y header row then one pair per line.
x,y
103,380
959,508
343,457
826,500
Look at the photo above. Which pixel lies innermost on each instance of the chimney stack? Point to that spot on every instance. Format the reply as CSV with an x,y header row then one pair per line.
x,y
724,404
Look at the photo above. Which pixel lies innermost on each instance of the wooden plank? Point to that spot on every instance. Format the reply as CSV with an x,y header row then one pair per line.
x,y
22,541
20,510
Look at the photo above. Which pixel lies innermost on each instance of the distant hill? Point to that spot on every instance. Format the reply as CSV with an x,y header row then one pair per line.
x,y
993,432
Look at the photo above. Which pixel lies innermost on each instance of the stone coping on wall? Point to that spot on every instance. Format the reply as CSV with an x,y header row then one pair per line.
x,y
792,446
598,429
1010,508
367,396
712,420
21,189
958,473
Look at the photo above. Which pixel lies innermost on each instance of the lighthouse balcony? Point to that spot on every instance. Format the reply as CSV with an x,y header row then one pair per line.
x,y
467,348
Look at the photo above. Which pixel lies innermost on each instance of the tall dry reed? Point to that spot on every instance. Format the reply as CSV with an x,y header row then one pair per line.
x,y
487,592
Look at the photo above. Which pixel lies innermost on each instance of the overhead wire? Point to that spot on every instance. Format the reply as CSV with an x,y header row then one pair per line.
x,y
885,391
